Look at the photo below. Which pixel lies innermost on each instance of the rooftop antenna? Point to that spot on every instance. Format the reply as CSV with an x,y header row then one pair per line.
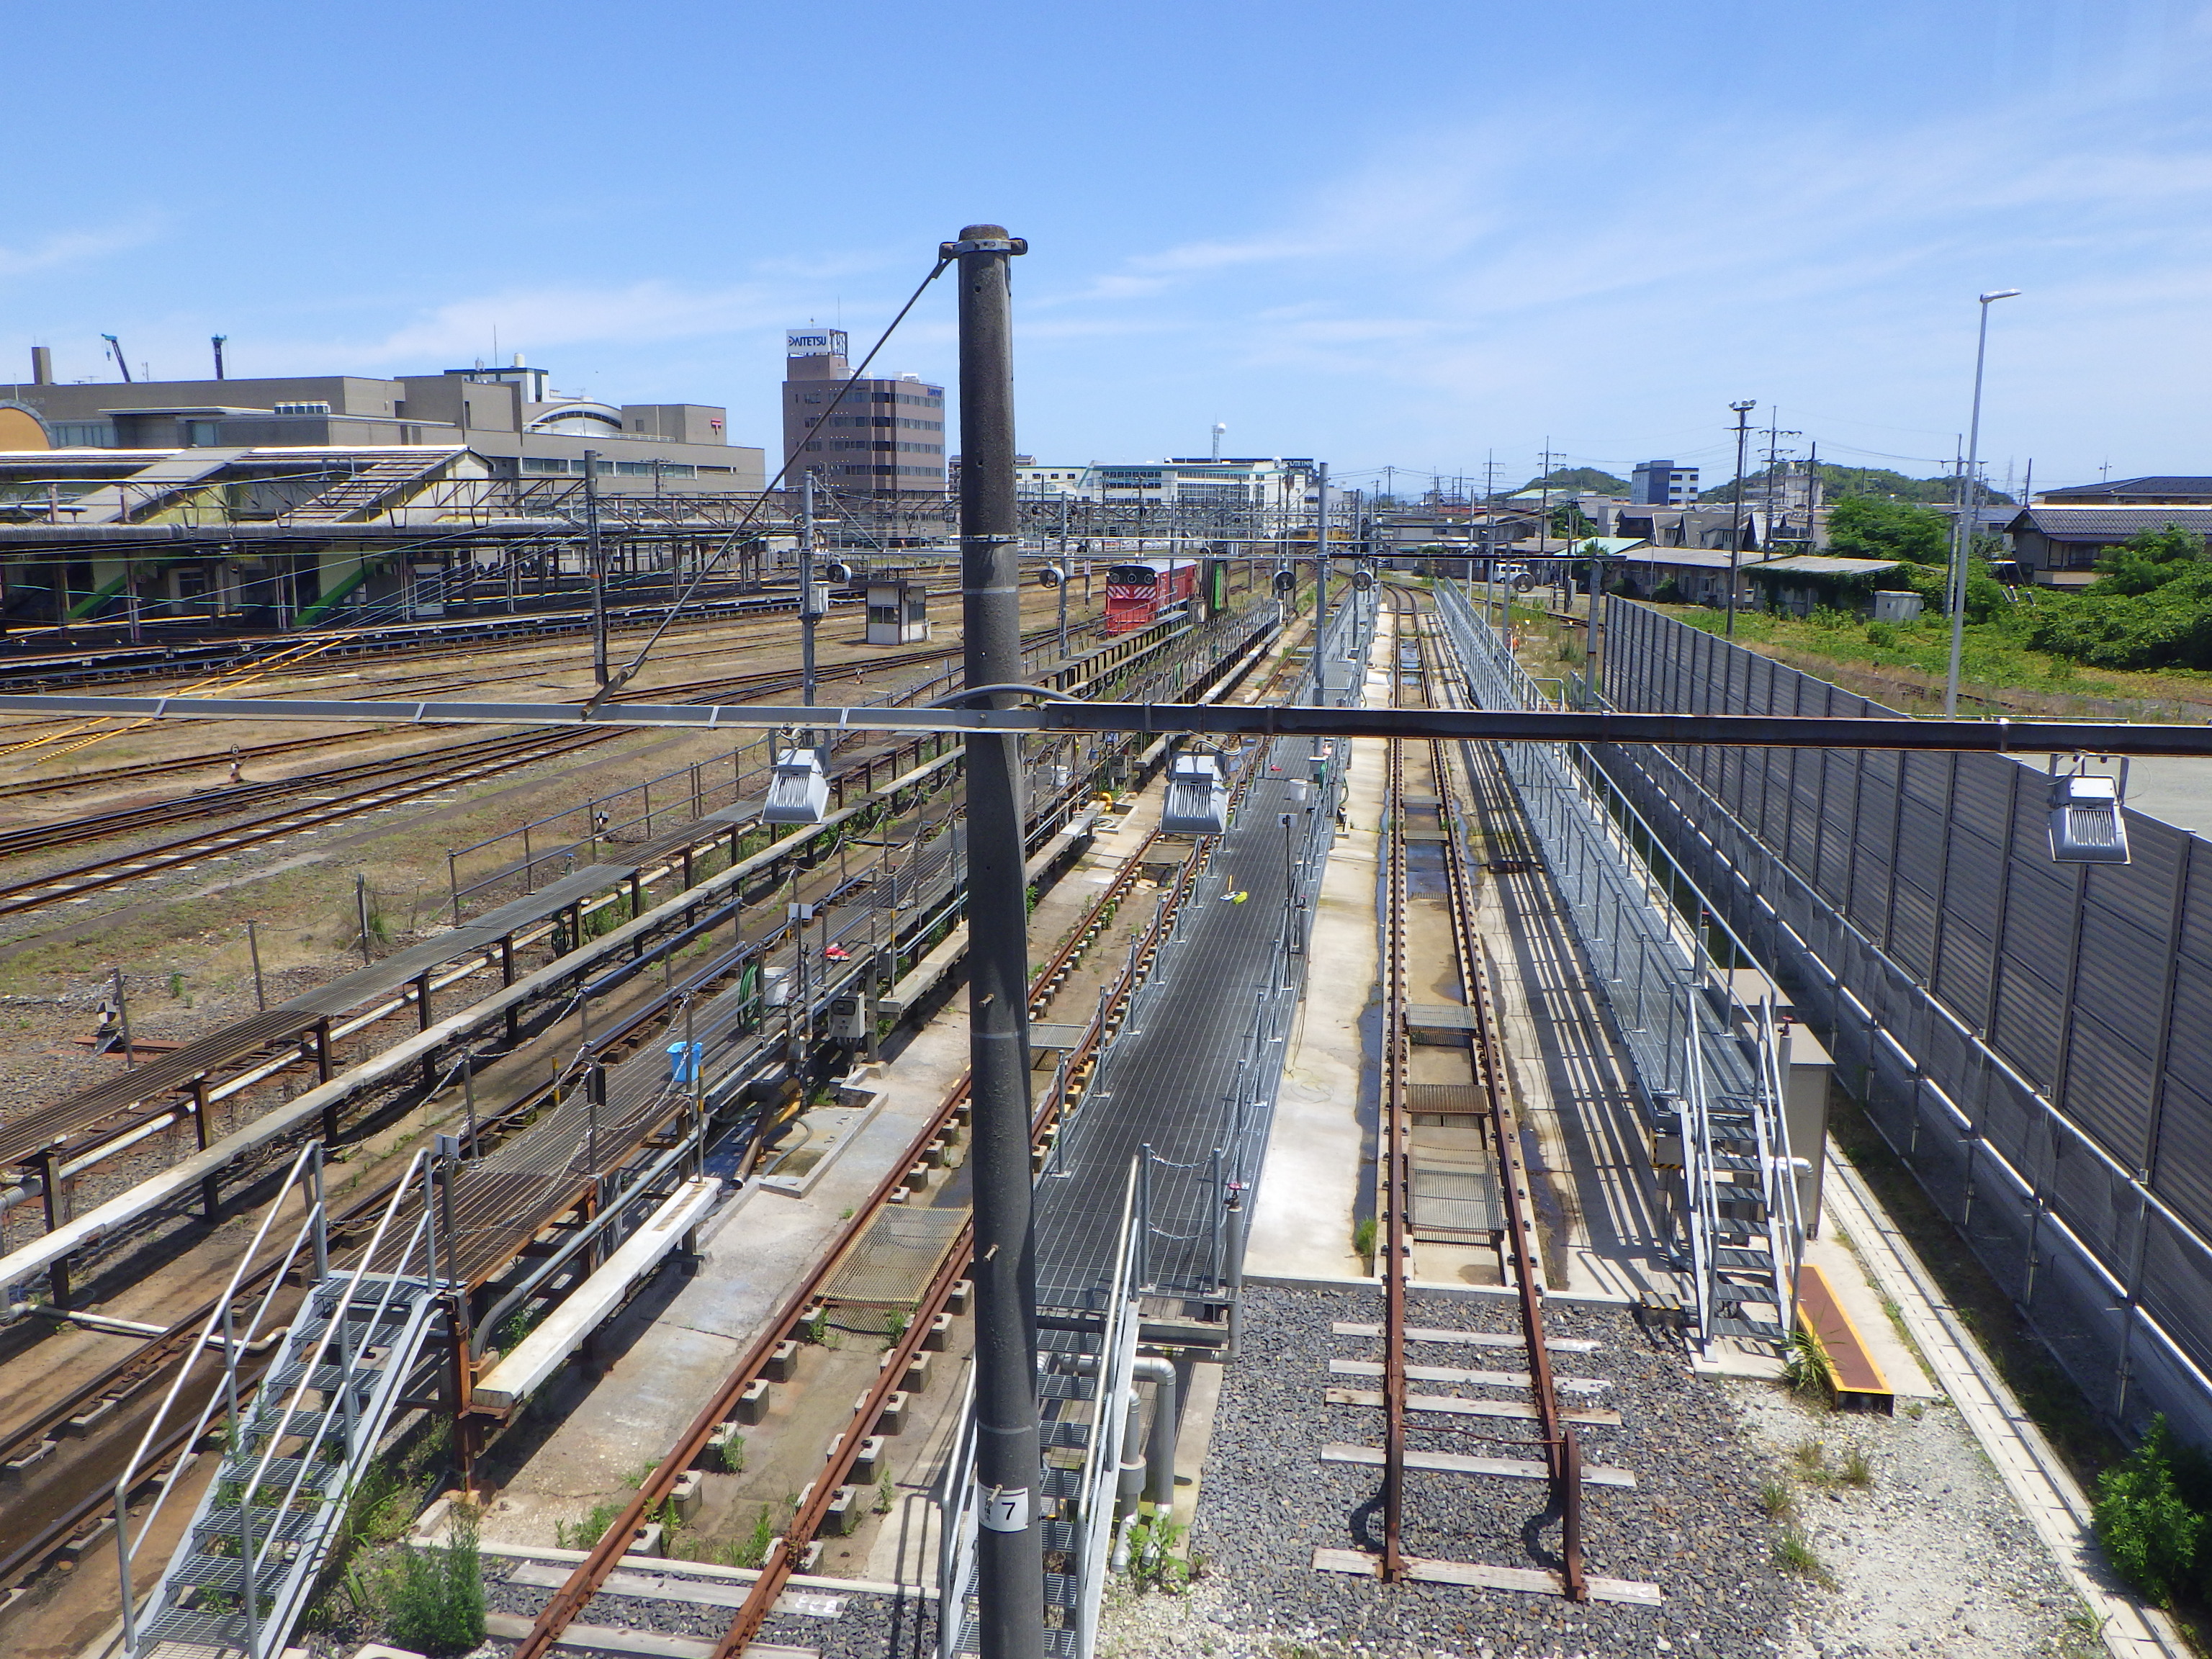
x,y
1219,429
115,347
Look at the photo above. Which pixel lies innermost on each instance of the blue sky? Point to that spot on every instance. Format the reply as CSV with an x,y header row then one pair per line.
x,y
1404,235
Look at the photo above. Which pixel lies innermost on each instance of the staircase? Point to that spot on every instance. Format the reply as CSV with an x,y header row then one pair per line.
x,y
1741,1190
369,488
293,1456
1084,1383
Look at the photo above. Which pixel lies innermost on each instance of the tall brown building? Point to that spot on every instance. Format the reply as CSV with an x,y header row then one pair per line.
x,y
886,436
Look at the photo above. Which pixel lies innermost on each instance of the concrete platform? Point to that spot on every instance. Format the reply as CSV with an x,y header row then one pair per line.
x,y
1319,1167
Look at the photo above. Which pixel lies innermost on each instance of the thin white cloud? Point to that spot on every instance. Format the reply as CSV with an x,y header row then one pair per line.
x,y
64,248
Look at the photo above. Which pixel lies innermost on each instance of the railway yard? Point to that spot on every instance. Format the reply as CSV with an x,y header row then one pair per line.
x,y
606,1147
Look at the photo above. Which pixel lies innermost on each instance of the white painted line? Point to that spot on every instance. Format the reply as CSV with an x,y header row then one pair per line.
x,y
1532,1580
1455,1374
1453,1463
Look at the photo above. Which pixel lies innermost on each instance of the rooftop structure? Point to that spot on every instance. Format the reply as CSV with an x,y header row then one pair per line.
x,y
510,417
2162,490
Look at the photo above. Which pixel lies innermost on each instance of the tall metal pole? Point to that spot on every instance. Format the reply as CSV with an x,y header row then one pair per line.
x,y
806,617
1962,533
595,556
1321,584
1063,578
1010,1541
1736,514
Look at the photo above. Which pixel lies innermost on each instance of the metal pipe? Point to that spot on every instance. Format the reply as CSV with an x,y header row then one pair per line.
x,y
1010,1541
594,555
1164,721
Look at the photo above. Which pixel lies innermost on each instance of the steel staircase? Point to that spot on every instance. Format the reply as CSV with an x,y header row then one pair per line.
x,y
293,1457
366,488
1084,1390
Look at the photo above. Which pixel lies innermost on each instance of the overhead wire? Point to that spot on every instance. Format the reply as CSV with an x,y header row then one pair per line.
x,y
622,677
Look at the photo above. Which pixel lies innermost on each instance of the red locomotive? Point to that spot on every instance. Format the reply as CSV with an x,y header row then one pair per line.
x,y
1139,595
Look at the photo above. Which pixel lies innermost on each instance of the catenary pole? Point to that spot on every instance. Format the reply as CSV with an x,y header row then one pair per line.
x,y
1010,1541
1321,583
1735,509
595,556
806,618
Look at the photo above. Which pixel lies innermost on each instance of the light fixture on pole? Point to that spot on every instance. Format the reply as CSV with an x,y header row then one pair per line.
x,y
1962,532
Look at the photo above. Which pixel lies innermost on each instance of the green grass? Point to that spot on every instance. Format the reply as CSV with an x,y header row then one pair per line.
x,y
584,1533
1994,660
1793,1553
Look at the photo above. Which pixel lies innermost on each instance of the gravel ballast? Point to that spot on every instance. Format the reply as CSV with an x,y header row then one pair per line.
x,y
1691,1524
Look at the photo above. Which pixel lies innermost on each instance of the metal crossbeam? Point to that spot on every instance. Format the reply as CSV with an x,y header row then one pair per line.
x,y
1511,726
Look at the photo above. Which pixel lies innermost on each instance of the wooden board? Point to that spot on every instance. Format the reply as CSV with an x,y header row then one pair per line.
x,y
1534,1581
1458,1406
1477,1339
1512,1468
1454,1374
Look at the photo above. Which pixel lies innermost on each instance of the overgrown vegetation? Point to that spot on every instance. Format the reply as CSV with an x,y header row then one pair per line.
x,y
1154,1562
434,1598
2154,1515
1807,1370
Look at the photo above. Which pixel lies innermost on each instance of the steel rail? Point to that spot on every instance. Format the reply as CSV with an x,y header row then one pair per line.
x,y
1523,1261
1394,1192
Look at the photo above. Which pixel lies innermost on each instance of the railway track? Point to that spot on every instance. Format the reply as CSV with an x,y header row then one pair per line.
x,y
786,1554
1520,1253
75,1425
110,1398
397,780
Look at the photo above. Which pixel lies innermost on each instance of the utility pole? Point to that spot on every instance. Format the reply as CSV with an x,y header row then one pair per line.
x,y
1544,527
1736,515
1063,570
806,612
1010,1541
1321,583
1969,503
595,556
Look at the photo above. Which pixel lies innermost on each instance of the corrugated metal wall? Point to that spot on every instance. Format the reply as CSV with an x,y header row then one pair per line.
x,y
2030,1036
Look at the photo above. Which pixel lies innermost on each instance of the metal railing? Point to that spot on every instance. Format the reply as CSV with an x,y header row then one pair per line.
x,y
1705,1058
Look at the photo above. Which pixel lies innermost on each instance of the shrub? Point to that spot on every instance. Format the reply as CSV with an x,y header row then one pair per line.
x,y
434,1599
2151,1516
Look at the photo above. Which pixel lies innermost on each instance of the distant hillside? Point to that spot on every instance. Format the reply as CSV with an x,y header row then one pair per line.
x,y
1577,480
1875,483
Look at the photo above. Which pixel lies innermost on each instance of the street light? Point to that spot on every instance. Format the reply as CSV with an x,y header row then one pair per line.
x,y
1969,500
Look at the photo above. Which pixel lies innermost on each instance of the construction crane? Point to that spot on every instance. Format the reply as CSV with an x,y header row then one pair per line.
x,y
121,361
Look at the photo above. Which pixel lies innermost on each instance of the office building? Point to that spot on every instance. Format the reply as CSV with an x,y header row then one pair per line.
x,y
1662,483
883,437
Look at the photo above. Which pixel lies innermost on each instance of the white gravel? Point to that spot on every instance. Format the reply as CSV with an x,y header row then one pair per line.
x,y
1933,1557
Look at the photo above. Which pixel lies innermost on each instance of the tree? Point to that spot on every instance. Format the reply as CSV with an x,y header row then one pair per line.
x,y
2149,559
1861,528
1580,479
1876,483
1568,519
